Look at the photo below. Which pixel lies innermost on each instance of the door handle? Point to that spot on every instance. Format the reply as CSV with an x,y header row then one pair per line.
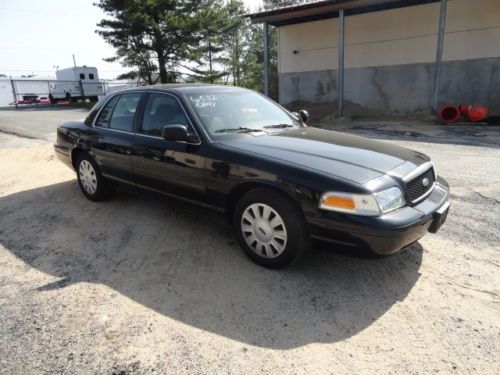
x,y
100,139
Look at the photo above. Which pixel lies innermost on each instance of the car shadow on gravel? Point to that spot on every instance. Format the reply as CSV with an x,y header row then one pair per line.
x,y
183,262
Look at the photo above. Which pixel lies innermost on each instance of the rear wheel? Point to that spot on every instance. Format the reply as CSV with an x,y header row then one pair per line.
x,y
90,180
270,228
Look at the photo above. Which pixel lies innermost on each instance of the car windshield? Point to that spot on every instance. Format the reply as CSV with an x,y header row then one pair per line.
x,y
239,111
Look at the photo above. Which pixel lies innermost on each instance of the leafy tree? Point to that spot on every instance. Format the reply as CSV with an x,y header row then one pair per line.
x,y
169,30
253,67
208,55
129,75
140,59
203,40
253,56
272,4
219,55
236,40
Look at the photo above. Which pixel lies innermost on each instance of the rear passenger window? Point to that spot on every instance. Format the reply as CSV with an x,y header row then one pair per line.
x,y
124,112
105,115
119,112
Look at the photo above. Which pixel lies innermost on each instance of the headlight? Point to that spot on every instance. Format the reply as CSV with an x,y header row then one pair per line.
x,y
390,199
363,204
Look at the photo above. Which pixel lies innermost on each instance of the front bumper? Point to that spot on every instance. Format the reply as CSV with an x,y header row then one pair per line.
x,y
388,233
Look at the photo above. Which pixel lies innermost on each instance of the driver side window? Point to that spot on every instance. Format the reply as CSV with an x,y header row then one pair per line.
x,y
162,110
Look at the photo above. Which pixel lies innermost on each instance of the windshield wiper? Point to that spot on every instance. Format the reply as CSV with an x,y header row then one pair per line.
x,y
238,130
278,126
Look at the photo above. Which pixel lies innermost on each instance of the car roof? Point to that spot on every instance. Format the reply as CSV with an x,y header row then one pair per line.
x,y
188,88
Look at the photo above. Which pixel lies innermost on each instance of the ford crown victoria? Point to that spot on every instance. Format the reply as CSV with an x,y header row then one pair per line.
x,y
279,181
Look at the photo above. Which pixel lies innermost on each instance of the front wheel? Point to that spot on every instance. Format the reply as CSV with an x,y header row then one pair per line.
x,y
270,228
90,180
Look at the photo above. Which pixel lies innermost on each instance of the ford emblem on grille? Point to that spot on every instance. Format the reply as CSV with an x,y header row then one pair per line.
x,y
425,182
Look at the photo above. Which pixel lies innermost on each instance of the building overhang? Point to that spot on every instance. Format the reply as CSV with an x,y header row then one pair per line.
x,y
321,10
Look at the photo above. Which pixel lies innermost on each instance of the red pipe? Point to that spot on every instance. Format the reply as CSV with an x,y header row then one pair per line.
x,y
449,113
477,112
464,109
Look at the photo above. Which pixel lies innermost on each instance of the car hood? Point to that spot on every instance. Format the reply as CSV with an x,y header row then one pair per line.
x,y
348,156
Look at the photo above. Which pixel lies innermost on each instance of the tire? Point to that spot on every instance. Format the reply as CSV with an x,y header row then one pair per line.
x,y
90,180
270,228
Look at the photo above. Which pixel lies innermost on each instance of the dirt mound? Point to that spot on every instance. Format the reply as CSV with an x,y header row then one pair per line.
x,y
321,112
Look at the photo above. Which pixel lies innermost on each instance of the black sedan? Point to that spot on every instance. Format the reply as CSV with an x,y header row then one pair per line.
x,y
279,181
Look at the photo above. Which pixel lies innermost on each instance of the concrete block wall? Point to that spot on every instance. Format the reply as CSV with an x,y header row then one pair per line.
x,y
389,59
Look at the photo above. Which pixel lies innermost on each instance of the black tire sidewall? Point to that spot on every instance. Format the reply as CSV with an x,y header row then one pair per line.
x,y
298,237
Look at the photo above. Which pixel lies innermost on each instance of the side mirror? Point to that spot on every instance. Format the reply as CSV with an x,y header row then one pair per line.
x,y
179,133
304,115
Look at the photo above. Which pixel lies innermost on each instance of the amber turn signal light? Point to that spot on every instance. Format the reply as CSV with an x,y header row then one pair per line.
x,y
340,202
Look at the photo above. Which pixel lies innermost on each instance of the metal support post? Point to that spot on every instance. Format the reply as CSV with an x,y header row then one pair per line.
x,y
13,91
439,55
340,70
266,59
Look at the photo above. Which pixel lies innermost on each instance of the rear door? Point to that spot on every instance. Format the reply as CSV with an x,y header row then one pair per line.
x,y
111,142
90,83
170,167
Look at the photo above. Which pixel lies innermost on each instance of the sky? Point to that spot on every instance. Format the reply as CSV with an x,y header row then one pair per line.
x,y
38,36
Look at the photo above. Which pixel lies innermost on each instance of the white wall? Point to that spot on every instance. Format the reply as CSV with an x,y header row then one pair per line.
x,y
394,37
316,43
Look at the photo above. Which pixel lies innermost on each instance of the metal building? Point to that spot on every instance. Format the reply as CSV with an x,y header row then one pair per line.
x,y
367,57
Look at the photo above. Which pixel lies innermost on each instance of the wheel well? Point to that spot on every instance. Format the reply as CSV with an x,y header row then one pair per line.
x,y
75,153
242,189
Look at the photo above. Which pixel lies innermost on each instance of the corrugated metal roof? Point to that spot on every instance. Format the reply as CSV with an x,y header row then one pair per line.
x,y
327,9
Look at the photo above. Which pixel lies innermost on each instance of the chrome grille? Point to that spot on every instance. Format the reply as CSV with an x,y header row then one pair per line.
x,y
416,187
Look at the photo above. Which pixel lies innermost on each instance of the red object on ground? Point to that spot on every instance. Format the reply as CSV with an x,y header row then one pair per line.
x,y
477,112
449,113
464,109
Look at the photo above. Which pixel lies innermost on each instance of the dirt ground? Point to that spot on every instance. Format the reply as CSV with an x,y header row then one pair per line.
x,y
138,286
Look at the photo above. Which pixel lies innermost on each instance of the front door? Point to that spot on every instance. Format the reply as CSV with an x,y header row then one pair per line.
x,y
112,135
170,167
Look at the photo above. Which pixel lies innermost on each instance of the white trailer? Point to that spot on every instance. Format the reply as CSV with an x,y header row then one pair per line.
x,y
79,82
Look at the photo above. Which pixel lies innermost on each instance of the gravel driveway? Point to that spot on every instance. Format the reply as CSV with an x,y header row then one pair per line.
x,y
134,285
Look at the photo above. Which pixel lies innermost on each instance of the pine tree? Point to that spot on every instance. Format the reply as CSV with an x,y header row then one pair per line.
x,y
167,30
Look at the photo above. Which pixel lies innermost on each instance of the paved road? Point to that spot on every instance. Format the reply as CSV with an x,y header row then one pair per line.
x,y
459,134
39,123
